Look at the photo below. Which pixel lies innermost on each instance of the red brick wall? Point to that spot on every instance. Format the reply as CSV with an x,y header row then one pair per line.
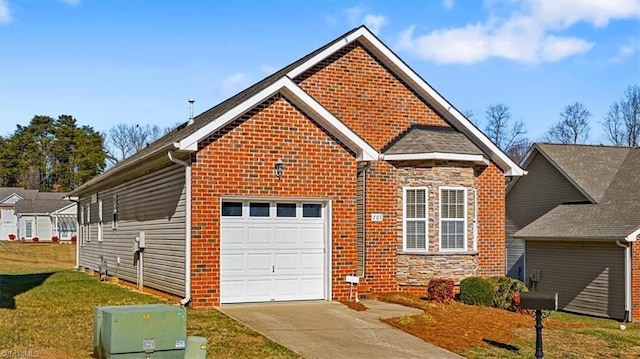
x,y
491,220
241,163
381,237
635,281
366,96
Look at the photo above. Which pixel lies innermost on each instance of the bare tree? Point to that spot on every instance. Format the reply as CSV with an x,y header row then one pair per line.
x,y
500,128
622,121
124,140
519,150
573,126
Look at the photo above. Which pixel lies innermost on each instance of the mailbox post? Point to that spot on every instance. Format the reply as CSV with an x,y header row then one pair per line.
x,y
539,301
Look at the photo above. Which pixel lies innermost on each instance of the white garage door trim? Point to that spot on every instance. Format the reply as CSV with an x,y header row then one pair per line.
x,y
274,249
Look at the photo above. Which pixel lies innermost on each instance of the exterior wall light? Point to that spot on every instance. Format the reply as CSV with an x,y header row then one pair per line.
x,y
278,168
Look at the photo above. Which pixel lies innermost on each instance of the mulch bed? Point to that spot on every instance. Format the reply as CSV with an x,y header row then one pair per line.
x,y
358,306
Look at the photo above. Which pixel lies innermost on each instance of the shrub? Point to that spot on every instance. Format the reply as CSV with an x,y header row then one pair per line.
x,y
12,237
440,290
55,239
74,238
477,291
506,288
35,239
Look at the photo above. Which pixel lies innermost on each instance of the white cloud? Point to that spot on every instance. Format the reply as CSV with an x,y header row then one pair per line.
x,y
448,4
531,33
374,22
234,83
356,16
626,50
5,12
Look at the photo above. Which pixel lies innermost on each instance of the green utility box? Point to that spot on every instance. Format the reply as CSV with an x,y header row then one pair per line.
x,y
154,331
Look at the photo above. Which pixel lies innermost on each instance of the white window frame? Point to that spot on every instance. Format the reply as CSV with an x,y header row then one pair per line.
x,y
464,219
405,219
28,224
88,222
100,220
114,217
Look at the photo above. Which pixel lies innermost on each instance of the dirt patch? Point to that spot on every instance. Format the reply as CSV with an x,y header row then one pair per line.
x,y
358,306
458,326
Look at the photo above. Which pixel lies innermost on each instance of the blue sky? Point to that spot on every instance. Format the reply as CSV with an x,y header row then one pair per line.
x,y
113,61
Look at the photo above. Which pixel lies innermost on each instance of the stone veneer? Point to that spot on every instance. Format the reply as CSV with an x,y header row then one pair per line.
x,y
416,269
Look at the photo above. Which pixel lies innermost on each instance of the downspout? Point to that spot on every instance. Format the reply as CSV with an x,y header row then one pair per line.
x,y
627,280
475,219
187,260
364,170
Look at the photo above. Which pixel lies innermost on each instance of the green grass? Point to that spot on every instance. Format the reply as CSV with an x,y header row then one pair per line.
x,y
46,309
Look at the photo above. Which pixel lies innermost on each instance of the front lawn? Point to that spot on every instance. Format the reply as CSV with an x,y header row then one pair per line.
x,y
46,309
482,332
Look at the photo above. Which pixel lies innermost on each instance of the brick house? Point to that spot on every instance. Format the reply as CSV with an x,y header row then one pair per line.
x,y
345,162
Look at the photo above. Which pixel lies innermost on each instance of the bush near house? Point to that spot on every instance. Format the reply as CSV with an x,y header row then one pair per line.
x,y
441,290
74,239
477,291
35,239
12,237
55,239
507,293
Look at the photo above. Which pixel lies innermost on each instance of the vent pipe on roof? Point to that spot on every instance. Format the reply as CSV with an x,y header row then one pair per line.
x,y
191,101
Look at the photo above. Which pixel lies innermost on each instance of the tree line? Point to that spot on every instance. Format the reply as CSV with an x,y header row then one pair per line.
x,y
59,155
621,125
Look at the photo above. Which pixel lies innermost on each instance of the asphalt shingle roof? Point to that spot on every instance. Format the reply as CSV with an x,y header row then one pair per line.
x,y
615,215
39,206
423,139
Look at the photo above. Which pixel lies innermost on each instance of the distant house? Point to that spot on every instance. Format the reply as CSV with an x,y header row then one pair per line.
x,y
46,218
573,225
31,213
344,163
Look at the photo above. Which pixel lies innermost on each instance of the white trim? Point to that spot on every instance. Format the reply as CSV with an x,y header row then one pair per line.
x,y
633,236
100,224
464,219
390,59
477,159
307,103
404,220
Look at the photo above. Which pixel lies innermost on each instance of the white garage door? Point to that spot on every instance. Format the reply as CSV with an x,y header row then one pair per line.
x,y
272,251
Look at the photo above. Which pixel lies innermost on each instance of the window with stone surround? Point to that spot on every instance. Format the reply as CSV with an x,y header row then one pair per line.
x,y
414,219
453,219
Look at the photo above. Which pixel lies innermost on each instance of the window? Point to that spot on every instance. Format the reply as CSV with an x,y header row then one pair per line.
x,y
232,209
114,219
286,210
453,218
311,210
258,209
414,219
87,222
28,229
100,220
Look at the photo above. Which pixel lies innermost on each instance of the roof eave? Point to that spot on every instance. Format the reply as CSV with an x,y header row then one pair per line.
x,y
462,157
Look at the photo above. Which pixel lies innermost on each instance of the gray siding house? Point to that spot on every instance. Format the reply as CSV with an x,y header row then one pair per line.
x,y
573,224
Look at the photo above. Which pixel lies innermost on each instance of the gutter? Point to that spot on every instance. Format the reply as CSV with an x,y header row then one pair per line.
x,y
627,280
187,260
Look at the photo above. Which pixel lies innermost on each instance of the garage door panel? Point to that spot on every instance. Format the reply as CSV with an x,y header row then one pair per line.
x,y
258,236
272,258
234,237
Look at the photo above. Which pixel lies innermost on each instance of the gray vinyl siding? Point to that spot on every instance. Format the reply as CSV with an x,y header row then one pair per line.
x,y
588,277
155,204
360,253
535,194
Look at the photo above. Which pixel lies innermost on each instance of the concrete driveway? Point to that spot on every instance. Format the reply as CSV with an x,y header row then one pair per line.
x,y
331,330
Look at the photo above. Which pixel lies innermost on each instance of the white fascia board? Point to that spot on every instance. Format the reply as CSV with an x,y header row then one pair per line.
x,y
633,236
509,167
477,159
294,93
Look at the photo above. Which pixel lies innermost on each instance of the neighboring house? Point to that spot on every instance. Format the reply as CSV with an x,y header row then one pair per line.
x,y
343,163
45,218
8,198
574,221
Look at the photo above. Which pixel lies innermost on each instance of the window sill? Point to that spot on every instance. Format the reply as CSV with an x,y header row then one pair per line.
x,y
439,254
